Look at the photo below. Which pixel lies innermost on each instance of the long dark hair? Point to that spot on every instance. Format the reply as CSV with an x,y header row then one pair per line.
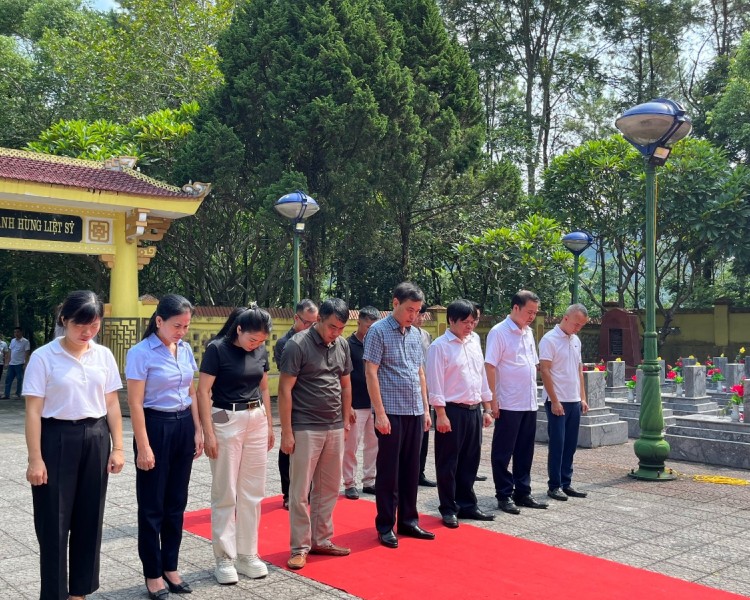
x,y
169,306
82,307
229,322
252,319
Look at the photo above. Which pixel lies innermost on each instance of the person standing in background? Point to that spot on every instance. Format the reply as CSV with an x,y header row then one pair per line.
x,y
426,339
167,438
72,411
305,316
3,352
18,355
363,428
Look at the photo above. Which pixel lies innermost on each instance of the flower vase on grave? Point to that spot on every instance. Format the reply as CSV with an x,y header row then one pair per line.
x,y
735,414
678,390
631,395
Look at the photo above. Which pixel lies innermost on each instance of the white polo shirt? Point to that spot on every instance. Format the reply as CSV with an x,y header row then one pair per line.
x,y
564,352
513,354
72,389
455,371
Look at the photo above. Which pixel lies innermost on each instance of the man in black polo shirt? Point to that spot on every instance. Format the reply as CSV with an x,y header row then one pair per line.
x,y
305,315
315,401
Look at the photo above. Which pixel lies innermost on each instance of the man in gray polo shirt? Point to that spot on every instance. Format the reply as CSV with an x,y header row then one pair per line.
x,y
315,401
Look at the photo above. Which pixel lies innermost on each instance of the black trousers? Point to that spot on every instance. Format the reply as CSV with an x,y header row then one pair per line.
x,y
514,436
457,455
162,492
284,473
71,503
397,476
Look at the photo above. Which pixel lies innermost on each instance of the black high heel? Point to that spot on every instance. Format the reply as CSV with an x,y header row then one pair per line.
x,y
161,594
178,588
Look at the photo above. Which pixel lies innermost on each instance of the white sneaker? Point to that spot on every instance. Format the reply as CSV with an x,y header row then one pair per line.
x,y
251,566
225,572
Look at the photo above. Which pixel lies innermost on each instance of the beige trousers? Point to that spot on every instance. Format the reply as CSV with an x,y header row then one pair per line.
x,y
362,430
316,461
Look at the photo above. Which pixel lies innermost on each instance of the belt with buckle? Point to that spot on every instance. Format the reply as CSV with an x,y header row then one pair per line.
x,y
235,406
465,406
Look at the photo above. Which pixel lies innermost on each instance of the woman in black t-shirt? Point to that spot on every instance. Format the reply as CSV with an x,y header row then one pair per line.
x,y
238,432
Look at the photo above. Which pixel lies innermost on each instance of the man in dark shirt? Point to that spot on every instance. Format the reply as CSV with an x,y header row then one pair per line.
x,y
306,313
363,427
315,401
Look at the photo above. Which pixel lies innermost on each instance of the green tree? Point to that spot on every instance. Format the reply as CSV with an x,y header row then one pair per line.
x,y
490,267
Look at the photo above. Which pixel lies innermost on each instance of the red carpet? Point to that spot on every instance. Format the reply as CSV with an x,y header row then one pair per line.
x,y
467,562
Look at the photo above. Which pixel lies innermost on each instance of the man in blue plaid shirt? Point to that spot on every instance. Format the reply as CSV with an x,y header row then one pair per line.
x,y
398,392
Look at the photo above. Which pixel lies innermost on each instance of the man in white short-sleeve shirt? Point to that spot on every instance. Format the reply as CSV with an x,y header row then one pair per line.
x,y
18,356
564,398
510,362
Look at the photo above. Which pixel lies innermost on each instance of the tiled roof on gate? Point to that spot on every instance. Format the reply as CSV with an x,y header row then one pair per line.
x,y
88,174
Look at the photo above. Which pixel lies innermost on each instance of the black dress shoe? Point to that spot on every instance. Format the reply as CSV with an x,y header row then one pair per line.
x,y
177,588
369,489
424,482
529,502
480,478
557,494
161,594
450,521
475,515
389,539
415,531
507,505
574,493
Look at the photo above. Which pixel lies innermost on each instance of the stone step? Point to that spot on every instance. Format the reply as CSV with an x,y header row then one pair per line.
x,y
711,440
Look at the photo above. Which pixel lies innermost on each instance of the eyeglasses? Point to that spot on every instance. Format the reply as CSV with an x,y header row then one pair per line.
x,y
304,322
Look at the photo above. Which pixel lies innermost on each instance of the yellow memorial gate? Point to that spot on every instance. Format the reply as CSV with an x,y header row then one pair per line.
x,y
103,208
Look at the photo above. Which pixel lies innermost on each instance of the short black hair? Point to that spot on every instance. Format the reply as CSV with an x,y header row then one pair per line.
x,y
305,304
334,306
521,297
461,309
408,291
369,312
82,307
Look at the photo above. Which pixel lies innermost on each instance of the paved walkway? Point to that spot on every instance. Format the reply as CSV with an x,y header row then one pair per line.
x,y
695,531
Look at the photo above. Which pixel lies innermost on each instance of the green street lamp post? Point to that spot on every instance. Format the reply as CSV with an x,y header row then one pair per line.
x,y
296,206
577,242
652,127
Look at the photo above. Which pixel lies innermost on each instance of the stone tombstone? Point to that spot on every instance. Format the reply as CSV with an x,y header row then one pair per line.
x,y
695,381
721,362
747,368
689,362
593,382
734,374
619,337
615,374
662,371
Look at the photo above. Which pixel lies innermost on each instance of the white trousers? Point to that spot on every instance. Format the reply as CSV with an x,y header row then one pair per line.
x,y
314,468
363,429
239,482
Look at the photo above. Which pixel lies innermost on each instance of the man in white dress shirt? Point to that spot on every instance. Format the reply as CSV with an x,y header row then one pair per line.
x,y
457,388
511,372
564,399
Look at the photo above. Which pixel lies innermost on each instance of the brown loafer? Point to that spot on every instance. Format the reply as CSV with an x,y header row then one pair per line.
x,y
297,561
330,550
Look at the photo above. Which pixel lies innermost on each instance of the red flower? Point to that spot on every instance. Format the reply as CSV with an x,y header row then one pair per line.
x,y
600,368
671,374
738,389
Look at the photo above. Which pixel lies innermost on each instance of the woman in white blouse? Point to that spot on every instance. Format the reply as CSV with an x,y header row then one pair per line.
x,y
72,410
